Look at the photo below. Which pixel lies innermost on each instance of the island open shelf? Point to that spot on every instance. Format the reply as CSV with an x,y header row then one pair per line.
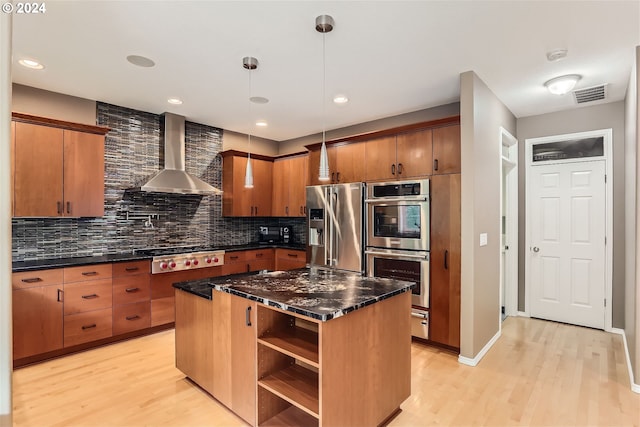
x,y
288,334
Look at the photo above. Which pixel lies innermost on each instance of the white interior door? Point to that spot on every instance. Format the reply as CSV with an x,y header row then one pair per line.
x,y
568,206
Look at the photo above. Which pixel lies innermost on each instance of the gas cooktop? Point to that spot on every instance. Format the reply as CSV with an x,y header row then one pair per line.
x,y
168,259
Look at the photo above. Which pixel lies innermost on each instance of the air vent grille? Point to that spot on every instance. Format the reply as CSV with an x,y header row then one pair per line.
x,y
590,94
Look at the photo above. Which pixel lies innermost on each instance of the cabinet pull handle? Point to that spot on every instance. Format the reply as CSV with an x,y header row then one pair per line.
x,y
90,273
248,316
259,255
435,164
286,210
134,317
399,168
338,176
92,296
251,210
292,255
60,295
32,280
233,257
301,210
333,178
131,290
393,169
446,260
256,211
131,269
93,325
68,207
59,205
248,268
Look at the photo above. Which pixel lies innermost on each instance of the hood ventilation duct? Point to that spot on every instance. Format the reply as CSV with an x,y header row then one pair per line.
x,y
173,178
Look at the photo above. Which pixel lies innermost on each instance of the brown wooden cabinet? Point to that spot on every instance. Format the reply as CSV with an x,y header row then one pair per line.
x,y
445,260
401,156
37,312
288,259
58,172
289,186
131,296
346,164
238,200
446,150
237,262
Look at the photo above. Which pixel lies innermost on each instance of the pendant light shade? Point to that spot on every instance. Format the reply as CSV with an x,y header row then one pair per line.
x,y
249,63
324,24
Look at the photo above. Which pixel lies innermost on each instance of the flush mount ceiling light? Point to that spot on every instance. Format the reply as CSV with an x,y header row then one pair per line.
x,y
324,24
340,99
556,55
563,84
175,101
249,63
261,123
31,63
258,100
140,61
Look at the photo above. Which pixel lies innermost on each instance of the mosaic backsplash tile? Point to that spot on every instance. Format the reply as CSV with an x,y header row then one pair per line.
x,y
134,220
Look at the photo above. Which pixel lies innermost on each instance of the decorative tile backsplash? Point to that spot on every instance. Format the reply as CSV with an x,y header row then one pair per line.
x,y
132,155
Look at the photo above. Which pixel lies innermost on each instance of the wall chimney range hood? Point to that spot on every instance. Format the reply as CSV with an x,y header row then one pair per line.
x,y
173,178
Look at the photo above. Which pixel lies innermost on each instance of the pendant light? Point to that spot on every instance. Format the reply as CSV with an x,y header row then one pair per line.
x,y
324,24
250,63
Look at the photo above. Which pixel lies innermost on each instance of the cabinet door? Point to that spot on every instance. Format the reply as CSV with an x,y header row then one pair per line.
x,y
314,166
83,174
380,158
236,199
297,186
446,150
414,154
350,163
37,321
222,360
262,187
289,260
445,260
281,177
38,170
243,362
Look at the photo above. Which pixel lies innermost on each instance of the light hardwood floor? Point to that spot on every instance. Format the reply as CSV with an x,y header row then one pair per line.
x,y
538,373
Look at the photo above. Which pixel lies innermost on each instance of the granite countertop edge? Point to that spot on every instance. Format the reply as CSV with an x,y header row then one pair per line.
x,y
43,264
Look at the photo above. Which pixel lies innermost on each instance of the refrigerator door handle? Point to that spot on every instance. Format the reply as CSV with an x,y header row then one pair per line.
x,y
336,211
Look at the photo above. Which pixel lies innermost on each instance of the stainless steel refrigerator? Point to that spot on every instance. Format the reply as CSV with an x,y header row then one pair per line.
x,y
335,226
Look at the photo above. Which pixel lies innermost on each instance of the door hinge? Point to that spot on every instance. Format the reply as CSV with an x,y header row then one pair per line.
x,y
605,302
605,240
605,177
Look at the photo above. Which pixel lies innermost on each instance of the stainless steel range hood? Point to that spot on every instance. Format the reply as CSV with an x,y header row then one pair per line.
x,y
173,178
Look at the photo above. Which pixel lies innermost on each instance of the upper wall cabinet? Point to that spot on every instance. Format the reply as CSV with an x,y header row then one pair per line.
x,y
58,171
446,150
289,182
346,164
405,155
238,200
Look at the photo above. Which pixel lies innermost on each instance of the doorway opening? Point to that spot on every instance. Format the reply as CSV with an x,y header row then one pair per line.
x,y
508,225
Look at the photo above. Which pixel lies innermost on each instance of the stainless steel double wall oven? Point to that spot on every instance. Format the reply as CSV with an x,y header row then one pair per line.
x,y
397,239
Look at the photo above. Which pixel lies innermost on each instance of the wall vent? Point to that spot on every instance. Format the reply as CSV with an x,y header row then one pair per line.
x,y
590,94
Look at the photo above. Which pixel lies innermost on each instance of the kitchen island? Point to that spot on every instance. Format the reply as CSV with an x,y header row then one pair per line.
x,y
306,347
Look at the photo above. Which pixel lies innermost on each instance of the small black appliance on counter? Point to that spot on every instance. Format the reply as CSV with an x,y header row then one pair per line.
x,y
273,234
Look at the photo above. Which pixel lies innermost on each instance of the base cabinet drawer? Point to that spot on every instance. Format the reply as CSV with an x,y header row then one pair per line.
x,y
131,289
87,296
89,326
87,272
131,317
163,311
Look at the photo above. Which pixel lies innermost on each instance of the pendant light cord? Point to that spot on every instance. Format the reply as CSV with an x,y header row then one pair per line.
x,y
250,119
324,88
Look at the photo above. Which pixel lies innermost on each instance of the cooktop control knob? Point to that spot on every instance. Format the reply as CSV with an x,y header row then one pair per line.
x,y
163,265
195,262
215,260
208,260
187,262
172,264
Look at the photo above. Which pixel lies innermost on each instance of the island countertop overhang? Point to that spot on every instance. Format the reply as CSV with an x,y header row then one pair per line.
x,y
319,294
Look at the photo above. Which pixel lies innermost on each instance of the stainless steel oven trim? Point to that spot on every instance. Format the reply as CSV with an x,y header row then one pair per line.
x,y
421,300
394,200
421,244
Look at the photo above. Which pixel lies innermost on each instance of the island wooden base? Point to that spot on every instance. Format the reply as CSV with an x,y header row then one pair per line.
x,y
354,370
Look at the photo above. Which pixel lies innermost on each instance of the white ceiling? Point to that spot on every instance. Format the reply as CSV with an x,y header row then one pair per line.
x,y
388,57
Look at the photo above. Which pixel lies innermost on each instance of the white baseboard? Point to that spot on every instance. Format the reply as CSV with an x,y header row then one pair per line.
x,y
634,387
474,362
523,314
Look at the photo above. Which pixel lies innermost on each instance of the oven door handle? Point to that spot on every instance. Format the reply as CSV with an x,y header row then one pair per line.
x,y
397,200
396,255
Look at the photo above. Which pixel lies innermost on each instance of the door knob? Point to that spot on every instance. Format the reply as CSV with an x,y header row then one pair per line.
x,y
535,249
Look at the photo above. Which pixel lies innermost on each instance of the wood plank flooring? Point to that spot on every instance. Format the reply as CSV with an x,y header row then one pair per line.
x,y
537,374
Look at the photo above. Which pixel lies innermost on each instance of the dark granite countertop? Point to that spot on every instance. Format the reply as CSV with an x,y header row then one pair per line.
x,y
316,293
43,264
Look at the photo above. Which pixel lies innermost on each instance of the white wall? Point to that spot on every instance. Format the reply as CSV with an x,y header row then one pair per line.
x,y
6,352
481,116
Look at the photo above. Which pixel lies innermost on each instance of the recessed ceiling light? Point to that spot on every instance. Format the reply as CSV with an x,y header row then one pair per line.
x,y
261,123
563,84
174,101
556,55
258,100
140,61
31,63
340,99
